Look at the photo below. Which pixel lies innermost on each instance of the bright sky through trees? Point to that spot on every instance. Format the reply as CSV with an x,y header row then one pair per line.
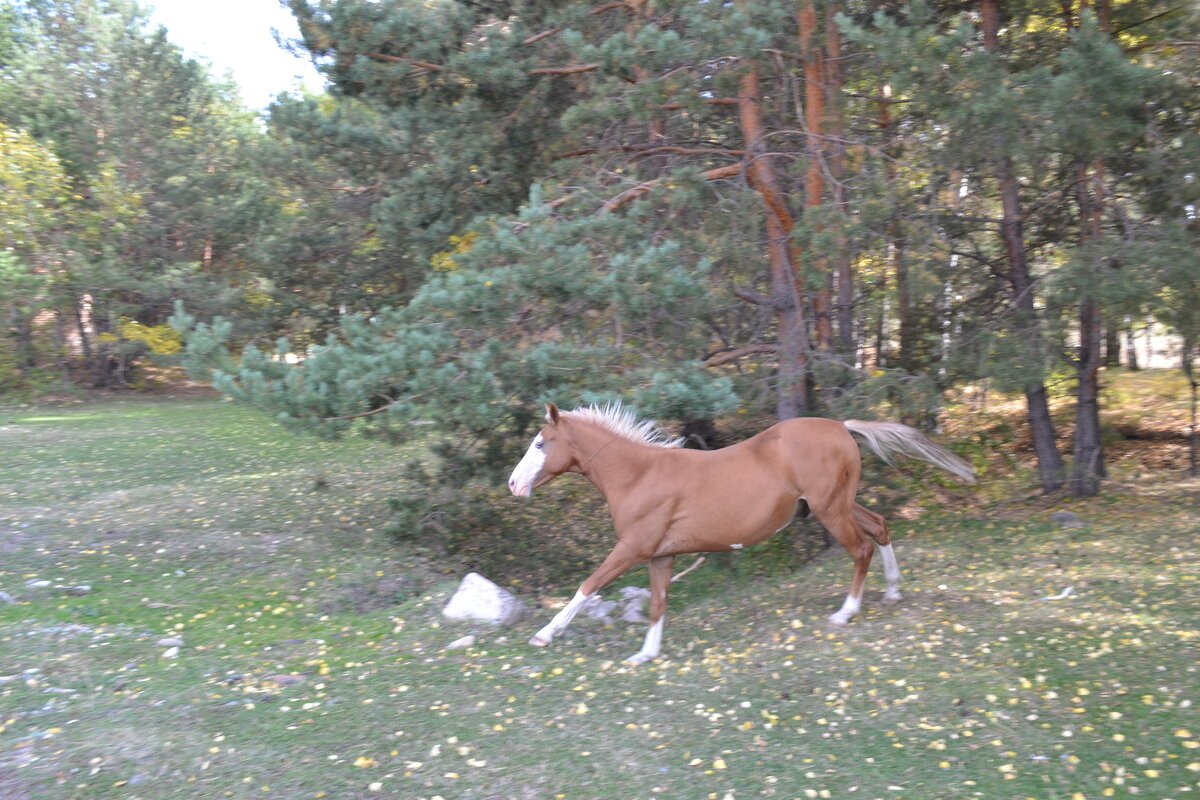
x,y
235,37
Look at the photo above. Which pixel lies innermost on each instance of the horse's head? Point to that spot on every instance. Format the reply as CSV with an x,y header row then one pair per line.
x,y
550,454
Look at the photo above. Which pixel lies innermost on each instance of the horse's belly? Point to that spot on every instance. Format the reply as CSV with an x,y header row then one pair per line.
x,y
729,526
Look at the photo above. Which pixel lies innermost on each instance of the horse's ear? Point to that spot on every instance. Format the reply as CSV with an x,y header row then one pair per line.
x,y
551,413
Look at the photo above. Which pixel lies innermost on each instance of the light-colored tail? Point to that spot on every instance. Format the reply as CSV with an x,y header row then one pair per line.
x,y
888,438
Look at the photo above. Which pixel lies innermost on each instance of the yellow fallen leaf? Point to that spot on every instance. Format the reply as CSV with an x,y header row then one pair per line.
x,y
719,764
363,761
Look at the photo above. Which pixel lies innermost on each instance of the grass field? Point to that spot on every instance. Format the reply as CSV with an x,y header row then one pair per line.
x,y
308,658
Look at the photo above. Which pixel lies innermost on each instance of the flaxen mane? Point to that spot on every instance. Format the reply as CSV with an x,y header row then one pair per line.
x,y
619,420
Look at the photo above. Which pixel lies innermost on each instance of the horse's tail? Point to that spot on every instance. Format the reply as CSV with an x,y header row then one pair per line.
x,y
888,438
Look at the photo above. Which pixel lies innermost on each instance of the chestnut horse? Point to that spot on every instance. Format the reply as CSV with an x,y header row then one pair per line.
x,y
666,501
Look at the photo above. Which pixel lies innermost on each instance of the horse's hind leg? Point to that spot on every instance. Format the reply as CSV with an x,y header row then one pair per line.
x,y
875,526
842,525
660,582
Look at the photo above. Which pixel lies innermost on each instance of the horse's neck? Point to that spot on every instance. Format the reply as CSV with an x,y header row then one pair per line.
x,y
610,461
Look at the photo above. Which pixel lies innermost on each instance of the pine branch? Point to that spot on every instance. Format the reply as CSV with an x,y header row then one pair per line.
x,y
595,12
642,152
727,171
574,69
537,37
1156,46
402,60
708,101
720,359
751,296
372,412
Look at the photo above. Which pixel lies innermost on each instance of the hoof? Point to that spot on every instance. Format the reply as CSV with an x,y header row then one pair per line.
x,y
640,658
896,598
538,641
838,622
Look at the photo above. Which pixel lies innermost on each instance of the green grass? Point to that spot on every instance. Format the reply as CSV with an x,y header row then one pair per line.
x,y
313,662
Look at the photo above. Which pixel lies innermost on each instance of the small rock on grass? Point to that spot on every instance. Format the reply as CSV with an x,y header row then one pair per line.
x,y
1066,519
461,644
285,680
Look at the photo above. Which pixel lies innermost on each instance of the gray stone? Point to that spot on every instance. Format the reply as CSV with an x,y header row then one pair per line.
x,y
633,602
170,641
597,608
6,598
461,644
286,680
1066,519
479,599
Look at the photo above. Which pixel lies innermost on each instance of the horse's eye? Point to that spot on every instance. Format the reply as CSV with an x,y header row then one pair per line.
x,y
538,445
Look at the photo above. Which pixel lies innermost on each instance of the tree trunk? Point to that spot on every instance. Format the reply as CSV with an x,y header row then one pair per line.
x,y
1112,343
1131,356
1012,234
1189,369
1088,468
85,341
814,177
905,321
654,166
792,390
23,333
836,147
1088,454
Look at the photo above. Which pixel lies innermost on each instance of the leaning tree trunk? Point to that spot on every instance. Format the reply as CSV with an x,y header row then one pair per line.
x,y
786,298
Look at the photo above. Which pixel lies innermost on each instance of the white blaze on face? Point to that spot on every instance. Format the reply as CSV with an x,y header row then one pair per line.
x,y
523,477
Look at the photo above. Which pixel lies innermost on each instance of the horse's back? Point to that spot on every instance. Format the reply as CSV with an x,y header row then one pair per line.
x,y
816,456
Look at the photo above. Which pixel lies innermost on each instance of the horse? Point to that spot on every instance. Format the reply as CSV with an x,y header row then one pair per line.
x,y
666,501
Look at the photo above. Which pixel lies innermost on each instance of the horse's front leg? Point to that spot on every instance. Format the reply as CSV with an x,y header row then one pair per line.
x,y
619,561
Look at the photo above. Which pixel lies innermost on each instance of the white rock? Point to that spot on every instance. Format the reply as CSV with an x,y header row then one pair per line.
x,y
170,652
6,598
478,598
461,644
170,641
